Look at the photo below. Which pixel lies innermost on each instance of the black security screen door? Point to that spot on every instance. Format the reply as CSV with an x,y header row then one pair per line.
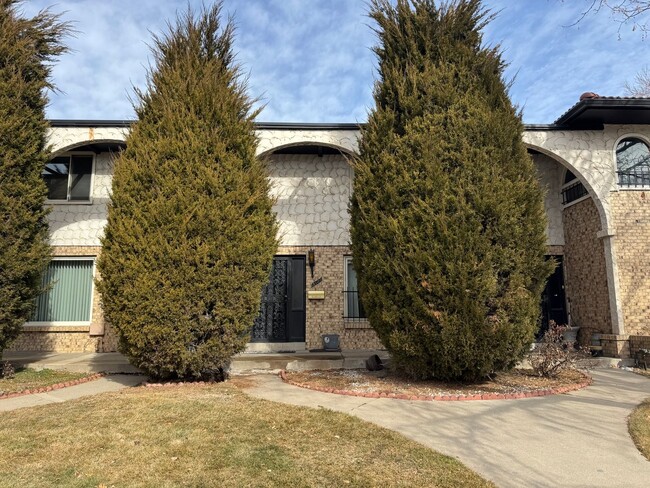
x,y
282,311
553,299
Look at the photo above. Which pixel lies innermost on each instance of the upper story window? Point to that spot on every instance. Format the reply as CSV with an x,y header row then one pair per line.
x,y
572,188
633,162
68,178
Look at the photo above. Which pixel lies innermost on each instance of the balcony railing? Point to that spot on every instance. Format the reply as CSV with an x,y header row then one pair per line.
x,y
352,307
640,178
573,192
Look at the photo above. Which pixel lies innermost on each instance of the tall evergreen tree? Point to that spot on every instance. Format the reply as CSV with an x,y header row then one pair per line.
x,y
27,46
191,233
447,214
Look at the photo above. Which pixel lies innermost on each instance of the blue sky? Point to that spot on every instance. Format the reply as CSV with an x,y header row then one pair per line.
x,y
310,60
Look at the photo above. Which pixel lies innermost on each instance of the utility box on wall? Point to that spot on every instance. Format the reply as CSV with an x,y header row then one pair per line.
x,y
331,342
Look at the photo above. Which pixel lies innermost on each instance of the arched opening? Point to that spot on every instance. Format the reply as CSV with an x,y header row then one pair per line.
x,y
576,219
70,173
94,146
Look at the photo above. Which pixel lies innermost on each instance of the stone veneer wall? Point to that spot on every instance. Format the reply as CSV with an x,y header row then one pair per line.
x,y
631,211
82,224
326,316
550,174
96,337
312,195
584,263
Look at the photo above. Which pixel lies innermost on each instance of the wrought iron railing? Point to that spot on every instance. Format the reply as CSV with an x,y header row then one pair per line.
x,y
634,178
573,192
352,306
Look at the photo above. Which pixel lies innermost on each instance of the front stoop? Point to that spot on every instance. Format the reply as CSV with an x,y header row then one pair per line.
x,y
274,363
275,347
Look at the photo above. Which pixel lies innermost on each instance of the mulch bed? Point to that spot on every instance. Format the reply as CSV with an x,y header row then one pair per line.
x,y
503,386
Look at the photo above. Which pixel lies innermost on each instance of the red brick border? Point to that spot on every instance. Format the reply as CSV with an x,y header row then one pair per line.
x,y
57,386
443,398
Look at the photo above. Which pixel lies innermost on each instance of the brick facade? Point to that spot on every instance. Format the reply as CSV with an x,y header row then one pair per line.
x,y
586,275
631,211
322,316
615,346
326,316
639,342
96,337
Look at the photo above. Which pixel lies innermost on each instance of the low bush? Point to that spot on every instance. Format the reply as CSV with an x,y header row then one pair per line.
x,y
553,354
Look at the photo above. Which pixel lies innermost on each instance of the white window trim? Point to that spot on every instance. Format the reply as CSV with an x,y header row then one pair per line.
x,y
346,260
92,180
631,135
84,323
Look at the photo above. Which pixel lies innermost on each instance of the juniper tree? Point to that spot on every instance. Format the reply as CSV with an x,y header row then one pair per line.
x,y
447,217
27,46
191,233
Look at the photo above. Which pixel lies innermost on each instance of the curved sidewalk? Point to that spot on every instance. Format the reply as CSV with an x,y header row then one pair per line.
x,y
578,439
101,385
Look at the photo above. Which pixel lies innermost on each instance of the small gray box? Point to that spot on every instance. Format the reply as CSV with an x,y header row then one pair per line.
x,y
331,342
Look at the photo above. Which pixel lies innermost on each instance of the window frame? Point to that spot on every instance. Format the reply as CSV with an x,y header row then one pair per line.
x,y
67,201
618,186
83,323
346,261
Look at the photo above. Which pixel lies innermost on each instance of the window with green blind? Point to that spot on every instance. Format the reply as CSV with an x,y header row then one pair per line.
x,y
68,297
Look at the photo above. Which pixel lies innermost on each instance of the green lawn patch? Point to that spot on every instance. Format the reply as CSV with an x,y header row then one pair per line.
x,y
639,426
30,379
210,435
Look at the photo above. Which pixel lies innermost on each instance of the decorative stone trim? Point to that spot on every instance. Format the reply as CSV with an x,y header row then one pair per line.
x,y
57,386
445,398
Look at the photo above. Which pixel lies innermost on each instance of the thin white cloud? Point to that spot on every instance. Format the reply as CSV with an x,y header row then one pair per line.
x,y
310,60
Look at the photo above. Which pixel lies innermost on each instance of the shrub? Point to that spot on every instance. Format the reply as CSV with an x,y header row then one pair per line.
x,y
553,354
447,215
26,48
191,233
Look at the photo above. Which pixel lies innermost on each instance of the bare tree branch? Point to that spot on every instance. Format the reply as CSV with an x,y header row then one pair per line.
x,y
640,87
625,12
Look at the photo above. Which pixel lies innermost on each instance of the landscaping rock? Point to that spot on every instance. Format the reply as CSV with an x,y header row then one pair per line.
x,y
373,363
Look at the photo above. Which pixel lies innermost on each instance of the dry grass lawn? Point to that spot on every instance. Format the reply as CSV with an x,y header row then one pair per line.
x,y
639,426
210,435
28,379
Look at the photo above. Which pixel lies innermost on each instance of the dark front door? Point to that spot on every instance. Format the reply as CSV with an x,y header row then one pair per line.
x,y
282,311
553,298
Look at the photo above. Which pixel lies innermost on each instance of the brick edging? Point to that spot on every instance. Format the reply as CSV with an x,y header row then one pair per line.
x,y
56,386
484,396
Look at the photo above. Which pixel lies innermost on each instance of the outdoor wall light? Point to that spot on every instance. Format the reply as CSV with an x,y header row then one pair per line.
x,y
311,259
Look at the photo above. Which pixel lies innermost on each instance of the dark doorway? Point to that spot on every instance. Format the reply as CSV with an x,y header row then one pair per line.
x,y
553,298
282,311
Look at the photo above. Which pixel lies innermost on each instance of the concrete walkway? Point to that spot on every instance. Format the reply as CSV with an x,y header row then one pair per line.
x,y
573,440
245,363
102,385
